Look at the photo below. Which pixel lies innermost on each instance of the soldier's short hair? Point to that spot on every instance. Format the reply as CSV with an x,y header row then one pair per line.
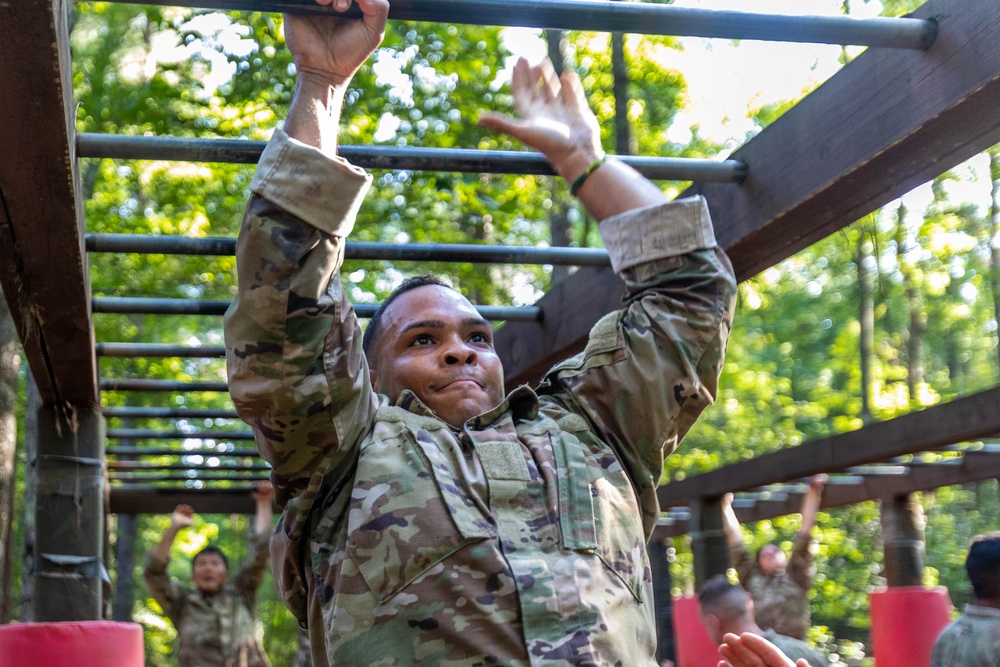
x,y
724,599
372,331
983,565
211,550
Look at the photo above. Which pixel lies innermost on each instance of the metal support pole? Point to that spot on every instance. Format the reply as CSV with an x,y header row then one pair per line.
x,y
157,306
662,600
903,540
361,250
137,452
126,384
150,434
129,412
638,17
708,540
69,515
462,160
159,350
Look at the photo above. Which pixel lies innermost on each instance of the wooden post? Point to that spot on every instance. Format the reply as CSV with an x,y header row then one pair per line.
x,y
708,540
903,540
662,599
69,514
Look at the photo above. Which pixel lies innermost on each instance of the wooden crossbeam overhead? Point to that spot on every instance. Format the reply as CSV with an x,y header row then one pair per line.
x,y
230,500
961,420
885,123
42,267
972,467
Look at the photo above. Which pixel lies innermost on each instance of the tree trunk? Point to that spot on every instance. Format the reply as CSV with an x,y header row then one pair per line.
x,y
914,336
995,242
561,232
34,403
10,360
303,657
623,132
866,316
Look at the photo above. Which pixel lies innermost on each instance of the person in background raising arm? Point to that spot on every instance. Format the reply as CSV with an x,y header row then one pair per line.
x,y
429,516
779,585
215,620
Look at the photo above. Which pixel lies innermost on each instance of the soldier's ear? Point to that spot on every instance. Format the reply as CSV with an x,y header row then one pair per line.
x,y
373,378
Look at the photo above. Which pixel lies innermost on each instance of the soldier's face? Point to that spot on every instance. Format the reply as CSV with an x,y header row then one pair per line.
x,y
434,343
771,559
209,572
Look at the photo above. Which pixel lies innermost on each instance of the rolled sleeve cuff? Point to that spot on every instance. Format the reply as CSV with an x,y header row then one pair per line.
x,y
321,191
656,232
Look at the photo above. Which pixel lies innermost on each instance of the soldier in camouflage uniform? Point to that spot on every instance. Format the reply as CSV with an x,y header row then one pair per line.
x,y
214,620
428,518
778,585
973,639
727,608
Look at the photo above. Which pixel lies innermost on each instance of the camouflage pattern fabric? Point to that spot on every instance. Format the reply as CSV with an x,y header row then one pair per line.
x,y
971,640
518,539
213,630
780,600
796,648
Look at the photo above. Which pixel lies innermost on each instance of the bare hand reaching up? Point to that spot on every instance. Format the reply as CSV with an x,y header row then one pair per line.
x,y
333,45
750,650
554,117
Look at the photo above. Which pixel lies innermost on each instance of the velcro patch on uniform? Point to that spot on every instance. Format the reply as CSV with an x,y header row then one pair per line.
x,y
503,460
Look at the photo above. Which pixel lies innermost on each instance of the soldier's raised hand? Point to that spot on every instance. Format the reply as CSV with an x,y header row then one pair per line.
x,y
262,493
182,516
750,650
333,45
553,117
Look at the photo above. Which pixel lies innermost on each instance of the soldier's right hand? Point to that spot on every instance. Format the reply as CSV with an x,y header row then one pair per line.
x,y
182,517
333,45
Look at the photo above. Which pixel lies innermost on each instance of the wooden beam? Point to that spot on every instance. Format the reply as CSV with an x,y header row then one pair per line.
x,y
887,122
972,467
235,500
42,268
960,420
569,310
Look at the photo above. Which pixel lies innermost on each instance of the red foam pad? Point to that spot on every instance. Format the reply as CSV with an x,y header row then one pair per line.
x,y
906,620
693,646
72,644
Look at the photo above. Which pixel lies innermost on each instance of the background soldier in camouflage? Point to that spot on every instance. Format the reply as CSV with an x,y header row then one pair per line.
x,y
430,518
778,585
727,608
973,639
215,620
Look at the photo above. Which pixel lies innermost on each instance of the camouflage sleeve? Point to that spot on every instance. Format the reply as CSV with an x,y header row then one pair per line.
x,y
742,561
252,571
297,374
801,566
167,592
650,369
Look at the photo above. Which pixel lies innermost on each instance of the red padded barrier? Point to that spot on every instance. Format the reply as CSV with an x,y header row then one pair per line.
x,y
906,620
72,644
693,646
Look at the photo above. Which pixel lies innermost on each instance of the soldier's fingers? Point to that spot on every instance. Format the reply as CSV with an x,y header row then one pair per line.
x,y
550,85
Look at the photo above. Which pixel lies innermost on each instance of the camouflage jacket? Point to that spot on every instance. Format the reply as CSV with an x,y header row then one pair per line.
x,y
516,540
213,630
780,600
971,640
796,648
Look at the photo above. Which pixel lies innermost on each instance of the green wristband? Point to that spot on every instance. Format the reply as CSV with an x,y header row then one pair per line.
x,y
578,183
